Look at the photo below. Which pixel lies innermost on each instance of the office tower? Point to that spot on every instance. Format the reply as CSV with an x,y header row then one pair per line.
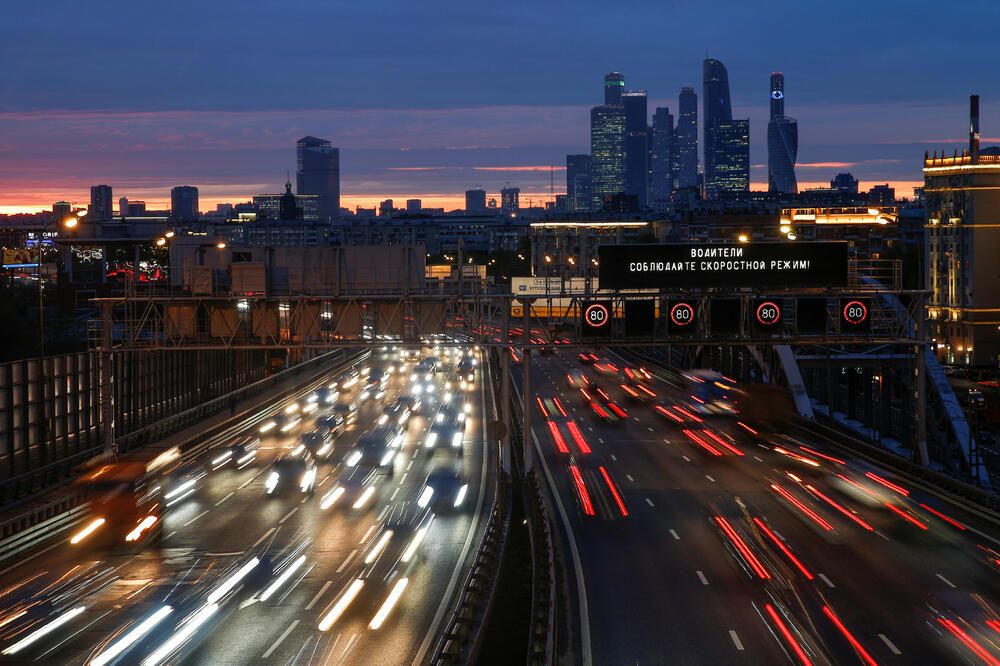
x,y
475,201
184,203
882,195
385,208
319,174
61,210
413,205
961,200
732,157
123,207
782,141
607,152
687,138
578,183
614,87
100,204
636,146
135,208
510,201
844,182
661,157
724,145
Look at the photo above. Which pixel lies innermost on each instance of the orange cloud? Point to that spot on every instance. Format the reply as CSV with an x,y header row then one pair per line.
x,y
825,165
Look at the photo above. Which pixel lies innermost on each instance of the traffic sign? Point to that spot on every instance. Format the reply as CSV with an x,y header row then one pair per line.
x,y
640,316
810,316
681,318
724,318
596,318
767,315
855,315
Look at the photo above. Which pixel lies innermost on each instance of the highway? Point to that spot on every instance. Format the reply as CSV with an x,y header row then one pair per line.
x,y
701,539
242,577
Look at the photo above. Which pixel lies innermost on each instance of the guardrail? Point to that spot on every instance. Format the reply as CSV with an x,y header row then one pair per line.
x,y
459,641
42,522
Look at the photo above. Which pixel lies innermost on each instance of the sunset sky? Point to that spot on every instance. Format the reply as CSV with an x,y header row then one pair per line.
x,y
428,99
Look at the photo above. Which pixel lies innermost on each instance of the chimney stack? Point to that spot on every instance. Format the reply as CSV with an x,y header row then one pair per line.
x,y
974,127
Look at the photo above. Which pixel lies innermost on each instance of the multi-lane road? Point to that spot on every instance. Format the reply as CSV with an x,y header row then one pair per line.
x,y
700,539
241,577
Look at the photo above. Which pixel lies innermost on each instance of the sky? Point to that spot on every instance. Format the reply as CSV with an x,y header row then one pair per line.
x,y
428,99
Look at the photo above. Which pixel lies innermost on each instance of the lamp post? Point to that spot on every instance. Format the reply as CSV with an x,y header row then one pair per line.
x,y
69,223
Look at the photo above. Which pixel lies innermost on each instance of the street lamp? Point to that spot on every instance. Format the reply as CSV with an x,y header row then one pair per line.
x,y
70,222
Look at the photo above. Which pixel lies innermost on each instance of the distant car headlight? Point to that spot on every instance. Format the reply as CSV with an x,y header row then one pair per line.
x,y
353,459
456,439
272,482
460,497
387,458
431,440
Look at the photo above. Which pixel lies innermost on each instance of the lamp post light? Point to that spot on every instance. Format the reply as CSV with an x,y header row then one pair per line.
x,y
70,222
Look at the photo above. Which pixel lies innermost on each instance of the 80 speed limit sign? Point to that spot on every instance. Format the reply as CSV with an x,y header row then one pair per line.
x,y
596,318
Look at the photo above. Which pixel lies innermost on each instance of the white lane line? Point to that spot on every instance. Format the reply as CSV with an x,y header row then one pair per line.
x,y
827,581
602,441
282,637
394,493
367,534
288,515
629,477
889,644
381,514
757,458
950,584
225,498
266,534
649,502
403,478
325,479
168,536
319,594
779,535
881,535
647,427
710,478
614,458
686,458
409,466
736,640
206,511
701,577
674,534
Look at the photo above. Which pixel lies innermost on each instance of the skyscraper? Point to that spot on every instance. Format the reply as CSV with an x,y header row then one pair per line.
x,y
661,155
844,182
607,151
510,200
782,141
732,157
614,87
687,138
184,203
718,122
319,174
636,146
475,201
578,183
101,208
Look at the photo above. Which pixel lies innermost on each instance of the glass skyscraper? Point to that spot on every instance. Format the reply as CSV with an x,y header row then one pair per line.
x,y
184,203
782,141
661,155
636,147
607,150
614,87
100,204
724,148
686,172
319,174
578,183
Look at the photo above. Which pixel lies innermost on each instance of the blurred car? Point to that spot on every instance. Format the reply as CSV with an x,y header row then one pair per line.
x,y
377,380
327,394
466,370
377,449
332,423
241,452
292,471
428,366
605,413
397,412
413,402
349,410
577,380
318,441
974,398
444,489
354,488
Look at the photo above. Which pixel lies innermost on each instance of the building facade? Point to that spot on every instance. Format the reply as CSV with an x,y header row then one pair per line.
x,y
510,201
661,155
636,146
731,170
607,150
319,174
578,197
782,141
475,201
184,203
101,206
687,139
614,88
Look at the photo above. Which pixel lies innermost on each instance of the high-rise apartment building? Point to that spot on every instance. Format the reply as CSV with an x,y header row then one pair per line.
x,y
578,199
782,141
636,146
962,209
607,151
184,203
101,206
475,201
844,182
510,201
686,171
319,173
413,205
662,142
723,137
614,88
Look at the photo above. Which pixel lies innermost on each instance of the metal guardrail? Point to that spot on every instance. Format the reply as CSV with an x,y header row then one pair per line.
x,y
459,641
30,537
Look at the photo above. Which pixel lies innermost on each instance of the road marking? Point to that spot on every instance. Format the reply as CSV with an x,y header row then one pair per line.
x,y
648,428
757,458
168,536
649,502
319,594
347,560
266,534
602,441
225,498
779,535
409,466
827,580
637,419
367,534
325,479
288,515
710,478
889,644
381,514
394,493
736,640
950,584
614,458
686,458
674,534
882,535
629,477
402,478
701,577
282,637
206,511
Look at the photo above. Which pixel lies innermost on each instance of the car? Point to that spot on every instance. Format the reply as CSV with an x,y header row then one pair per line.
x,y
377,380
355,488
352,377
974,398
448,427
332,423
606,368
378,448
413,402
293,470
586,358
637,392
318,441
395,412
428,366
327,394
444,489
466,371
349,410
241,452
605,413
577,380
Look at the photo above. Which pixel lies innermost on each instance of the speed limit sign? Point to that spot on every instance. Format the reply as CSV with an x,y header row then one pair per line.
x,y
854,315
597,318
681,318
768,313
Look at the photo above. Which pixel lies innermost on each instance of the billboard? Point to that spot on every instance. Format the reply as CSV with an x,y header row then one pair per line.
x,y
713,265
